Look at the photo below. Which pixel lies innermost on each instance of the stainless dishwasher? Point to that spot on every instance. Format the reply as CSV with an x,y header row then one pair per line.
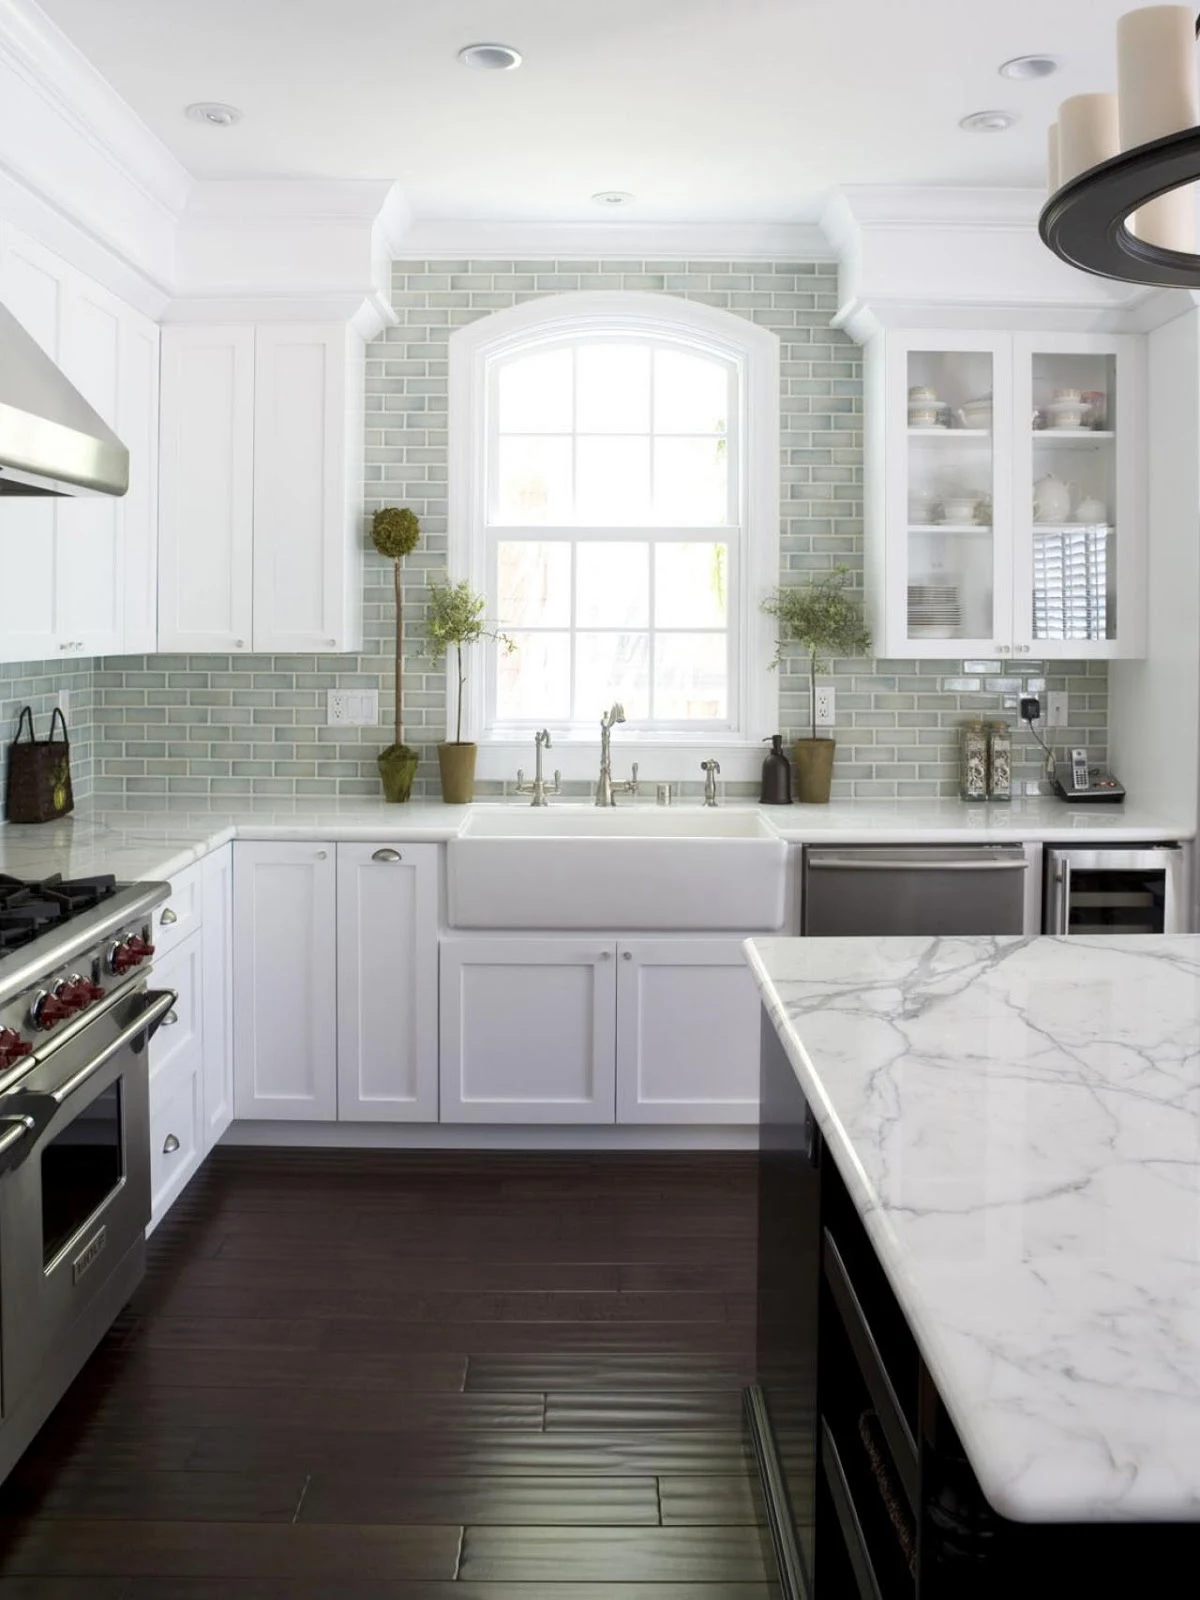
x,y
939,890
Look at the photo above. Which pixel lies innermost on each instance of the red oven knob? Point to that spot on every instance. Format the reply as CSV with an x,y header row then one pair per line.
x,y
48,1009
76,993
12,1047
141,950
121,958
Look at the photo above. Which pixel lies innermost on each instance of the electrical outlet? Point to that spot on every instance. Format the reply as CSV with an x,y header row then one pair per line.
x,y
352,708
1057,709
63,701
826,706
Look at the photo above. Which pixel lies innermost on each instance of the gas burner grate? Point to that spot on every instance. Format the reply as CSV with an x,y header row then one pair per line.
x,y
29,907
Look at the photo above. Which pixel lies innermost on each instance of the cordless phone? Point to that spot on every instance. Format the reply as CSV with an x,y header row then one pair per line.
x,y
1088,783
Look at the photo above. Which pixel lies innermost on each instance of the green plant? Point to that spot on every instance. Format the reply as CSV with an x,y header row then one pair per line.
x,y
823,620
456,619
395,531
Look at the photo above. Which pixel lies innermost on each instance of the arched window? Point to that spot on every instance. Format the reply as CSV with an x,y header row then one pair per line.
x,y
614,494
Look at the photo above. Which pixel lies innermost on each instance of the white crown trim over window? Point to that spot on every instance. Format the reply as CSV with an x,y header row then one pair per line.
x,y
474,351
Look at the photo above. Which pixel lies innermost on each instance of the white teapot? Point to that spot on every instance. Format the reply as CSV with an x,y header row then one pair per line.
x,y
1051,499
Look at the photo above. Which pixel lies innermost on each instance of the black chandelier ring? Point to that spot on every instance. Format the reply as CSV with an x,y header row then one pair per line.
x,y
1084,223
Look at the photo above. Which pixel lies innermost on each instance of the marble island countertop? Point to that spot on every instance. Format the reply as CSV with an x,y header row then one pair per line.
x,y
160,842
1018,1122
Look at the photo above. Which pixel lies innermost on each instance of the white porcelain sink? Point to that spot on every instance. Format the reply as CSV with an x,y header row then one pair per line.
x,y
620,869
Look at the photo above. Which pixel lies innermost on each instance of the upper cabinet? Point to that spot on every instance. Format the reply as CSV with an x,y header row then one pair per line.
x,y
1005,495
261,489
77,573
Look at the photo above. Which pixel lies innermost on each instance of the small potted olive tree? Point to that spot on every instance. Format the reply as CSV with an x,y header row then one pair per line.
x,y
455,621
394,533
824,621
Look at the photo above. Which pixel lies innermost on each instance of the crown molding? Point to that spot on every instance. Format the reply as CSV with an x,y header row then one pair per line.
x,y
429,239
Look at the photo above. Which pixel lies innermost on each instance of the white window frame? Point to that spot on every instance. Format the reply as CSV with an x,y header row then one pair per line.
x,y
475,351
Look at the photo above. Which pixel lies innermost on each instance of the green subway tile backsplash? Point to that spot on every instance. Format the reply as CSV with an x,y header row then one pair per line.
x,y
154,729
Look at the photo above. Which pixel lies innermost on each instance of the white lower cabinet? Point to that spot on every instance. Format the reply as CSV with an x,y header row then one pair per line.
x,y
528,1030
285,981
687,1032
176,1087
217,995
387,985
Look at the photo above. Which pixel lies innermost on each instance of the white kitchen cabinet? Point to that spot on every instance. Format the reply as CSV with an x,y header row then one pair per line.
x,y
175,1138
217,993
77,572
687,1032
261,488
178,1044
285,981
206,489
528,1030
957,563
387,966
308,457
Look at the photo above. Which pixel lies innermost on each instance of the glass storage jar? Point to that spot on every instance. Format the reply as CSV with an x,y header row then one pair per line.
x,y
973,761
1000,778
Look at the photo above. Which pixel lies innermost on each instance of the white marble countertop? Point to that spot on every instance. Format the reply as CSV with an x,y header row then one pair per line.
x,y
1018,1121
158,843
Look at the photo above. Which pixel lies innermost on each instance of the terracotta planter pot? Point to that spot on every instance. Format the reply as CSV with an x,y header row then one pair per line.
x,y
814,770
397,768
457,763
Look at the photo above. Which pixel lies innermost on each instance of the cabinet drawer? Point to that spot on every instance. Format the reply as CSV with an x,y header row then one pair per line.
x,y
179,916
174,1137
177,1044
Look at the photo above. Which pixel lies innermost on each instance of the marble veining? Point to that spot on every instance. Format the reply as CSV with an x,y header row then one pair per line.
x,y
1018,1121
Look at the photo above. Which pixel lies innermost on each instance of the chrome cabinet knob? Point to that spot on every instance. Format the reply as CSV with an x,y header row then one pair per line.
x,y
387,855
168,918
170,1019
170,1145
322,855
239,644
606,955
627,955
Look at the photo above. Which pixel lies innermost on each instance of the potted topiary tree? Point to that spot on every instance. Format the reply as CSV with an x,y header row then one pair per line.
x,y
456,621
395,531
824,621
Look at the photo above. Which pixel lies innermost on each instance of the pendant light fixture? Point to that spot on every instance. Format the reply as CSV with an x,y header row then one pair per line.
x,y
1121,166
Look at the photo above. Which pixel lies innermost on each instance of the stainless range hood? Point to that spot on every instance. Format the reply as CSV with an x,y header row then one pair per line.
x,y
51,441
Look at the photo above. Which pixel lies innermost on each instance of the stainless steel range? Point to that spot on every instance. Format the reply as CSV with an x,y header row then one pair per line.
x,y
76,1015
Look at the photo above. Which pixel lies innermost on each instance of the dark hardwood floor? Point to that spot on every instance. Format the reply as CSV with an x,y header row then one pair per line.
x,y
404,1375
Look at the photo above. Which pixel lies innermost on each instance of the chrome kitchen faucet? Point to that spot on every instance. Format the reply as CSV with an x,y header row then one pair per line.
x,y
538,788
606,789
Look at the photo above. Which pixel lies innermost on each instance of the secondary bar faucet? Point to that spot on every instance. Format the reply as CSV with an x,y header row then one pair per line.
x,y
539,789
606,789
710,769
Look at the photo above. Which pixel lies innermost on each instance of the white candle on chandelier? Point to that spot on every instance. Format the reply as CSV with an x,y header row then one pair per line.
x,y
1159,94
1088,133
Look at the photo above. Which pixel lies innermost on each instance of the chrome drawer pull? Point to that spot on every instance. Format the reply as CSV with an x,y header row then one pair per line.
x,y
168,918
169,1020
170,1145
387,855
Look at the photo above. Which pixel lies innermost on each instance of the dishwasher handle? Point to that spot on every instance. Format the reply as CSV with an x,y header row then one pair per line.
x,y
951,861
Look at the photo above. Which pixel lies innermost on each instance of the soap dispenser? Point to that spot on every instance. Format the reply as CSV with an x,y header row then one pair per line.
x,y
776,775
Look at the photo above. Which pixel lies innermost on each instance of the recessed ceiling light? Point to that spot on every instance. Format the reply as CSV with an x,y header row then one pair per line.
x,y
214,113
490,57
1030,67
989,121
612,198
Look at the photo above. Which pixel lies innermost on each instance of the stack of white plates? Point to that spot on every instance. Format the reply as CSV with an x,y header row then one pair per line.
x,y
934,611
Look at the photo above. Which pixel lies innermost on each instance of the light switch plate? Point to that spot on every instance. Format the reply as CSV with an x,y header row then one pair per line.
x,y
826,706
352,708
1058,709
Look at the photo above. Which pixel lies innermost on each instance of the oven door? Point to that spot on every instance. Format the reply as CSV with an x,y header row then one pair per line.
x,y
79,1199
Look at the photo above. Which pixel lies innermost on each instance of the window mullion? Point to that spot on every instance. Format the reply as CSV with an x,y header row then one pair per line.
x,y
651,645
573,648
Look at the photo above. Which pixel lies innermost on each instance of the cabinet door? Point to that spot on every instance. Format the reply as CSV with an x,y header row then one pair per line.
x,y
528,1030
1080,497
137,427
206,489
33,288
285,979
687,1032
945,589
89,600
307,489
387,932
217,995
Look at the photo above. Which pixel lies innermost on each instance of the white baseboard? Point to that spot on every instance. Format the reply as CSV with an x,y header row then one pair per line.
x,y
398,1136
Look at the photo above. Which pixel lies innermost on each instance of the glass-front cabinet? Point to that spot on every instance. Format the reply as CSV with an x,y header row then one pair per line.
x,y
1005,495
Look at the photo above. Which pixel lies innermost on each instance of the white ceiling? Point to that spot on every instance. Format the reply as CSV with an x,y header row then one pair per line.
x,y
708,110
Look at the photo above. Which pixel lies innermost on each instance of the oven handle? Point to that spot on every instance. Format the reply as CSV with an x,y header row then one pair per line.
x,y
161,1001
19,1128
